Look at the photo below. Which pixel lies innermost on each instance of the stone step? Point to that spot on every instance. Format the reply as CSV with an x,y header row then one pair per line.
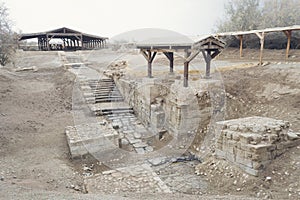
x,y
108,97
104,87
108,100
114,112
105,91
100,80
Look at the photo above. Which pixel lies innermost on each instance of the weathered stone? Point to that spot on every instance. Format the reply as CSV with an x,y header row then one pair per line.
x,y
116,125
292,136
252,143
133,141
108,172
157,161
149,149
140,145
124,142
137,135
88,138
140,150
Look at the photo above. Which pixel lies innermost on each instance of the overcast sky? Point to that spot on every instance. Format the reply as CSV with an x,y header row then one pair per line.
x,y
111,17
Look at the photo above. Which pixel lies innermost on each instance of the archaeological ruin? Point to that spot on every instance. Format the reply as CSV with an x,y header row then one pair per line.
x,y
134,121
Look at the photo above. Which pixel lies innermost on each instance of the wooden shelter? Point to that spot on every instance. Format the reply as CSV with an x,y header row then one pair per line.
x,y
209,46
261,35
71,40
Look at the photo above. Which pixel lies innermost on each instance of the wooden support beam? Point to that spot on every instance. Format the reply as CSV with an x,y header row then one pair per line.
x,y
192,55
288,45
170,56
207,57
186,69
47,42
64,34
261,36
241,45
216,53
149,57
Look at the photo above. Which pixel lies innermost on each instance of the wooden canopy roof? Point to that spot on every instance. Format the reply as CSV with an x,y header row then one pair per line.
x,y
183,43
261,35
61,33
209,45
72,40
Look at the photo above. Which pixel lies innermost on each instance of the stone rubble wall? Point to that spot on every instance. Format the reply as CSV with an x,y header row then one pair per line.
x,y
166,106
252,143
89,138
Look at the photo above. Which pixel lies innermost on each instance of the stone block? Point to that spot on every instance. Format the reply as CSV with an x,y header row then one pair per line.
x,y
261,148
88,94
290,144
249,170
140,150
85,88
220,153
240,153
140,145
89,138
273,138
90,100
133,140
149,149
230,156
243,161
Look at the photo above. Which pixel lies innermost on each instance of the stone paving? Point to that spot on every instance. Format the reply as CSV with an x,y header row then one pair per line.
x,y
180,177
131,131
140,178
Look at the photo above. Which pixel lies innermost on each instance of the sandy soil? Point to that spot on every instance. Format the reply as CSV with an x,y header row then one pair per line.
x,y
35,107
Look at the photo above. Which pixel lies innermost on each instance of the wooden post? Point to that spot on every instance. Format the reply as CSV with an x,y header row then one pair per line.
x,y
186,69
149,57
207,57
170,56
207,70
47,41
40,44
171,62
120,142
288,45
241,45
149,69
186,74
262,41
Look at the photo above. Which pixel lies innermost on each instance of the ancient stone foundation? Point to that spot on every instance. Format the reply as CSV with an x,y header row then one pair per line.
x,y
252,143
89,138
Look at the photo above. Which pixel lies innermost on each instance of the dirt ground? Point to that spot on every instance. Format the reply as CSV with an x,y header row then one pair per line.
x,y
35,108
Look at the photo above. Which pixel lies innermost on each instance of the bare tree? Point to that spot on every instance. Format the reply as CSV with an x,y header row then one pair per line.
x,y
7,37
278,13
243,15
240,15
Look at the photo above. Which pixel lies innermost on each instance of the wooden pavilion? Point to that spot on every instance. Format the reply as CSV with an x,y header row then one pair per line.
x,y
71,40
209,46
261,34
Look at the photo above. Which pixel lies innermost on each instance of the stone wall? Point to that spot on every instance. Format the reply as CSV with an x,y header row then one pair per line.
x,y
167,105
90,138
252,143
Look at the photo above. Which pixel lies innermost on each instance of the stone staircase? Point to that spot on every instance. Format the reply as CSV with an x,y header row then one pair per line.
x,y
105,90
105,100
